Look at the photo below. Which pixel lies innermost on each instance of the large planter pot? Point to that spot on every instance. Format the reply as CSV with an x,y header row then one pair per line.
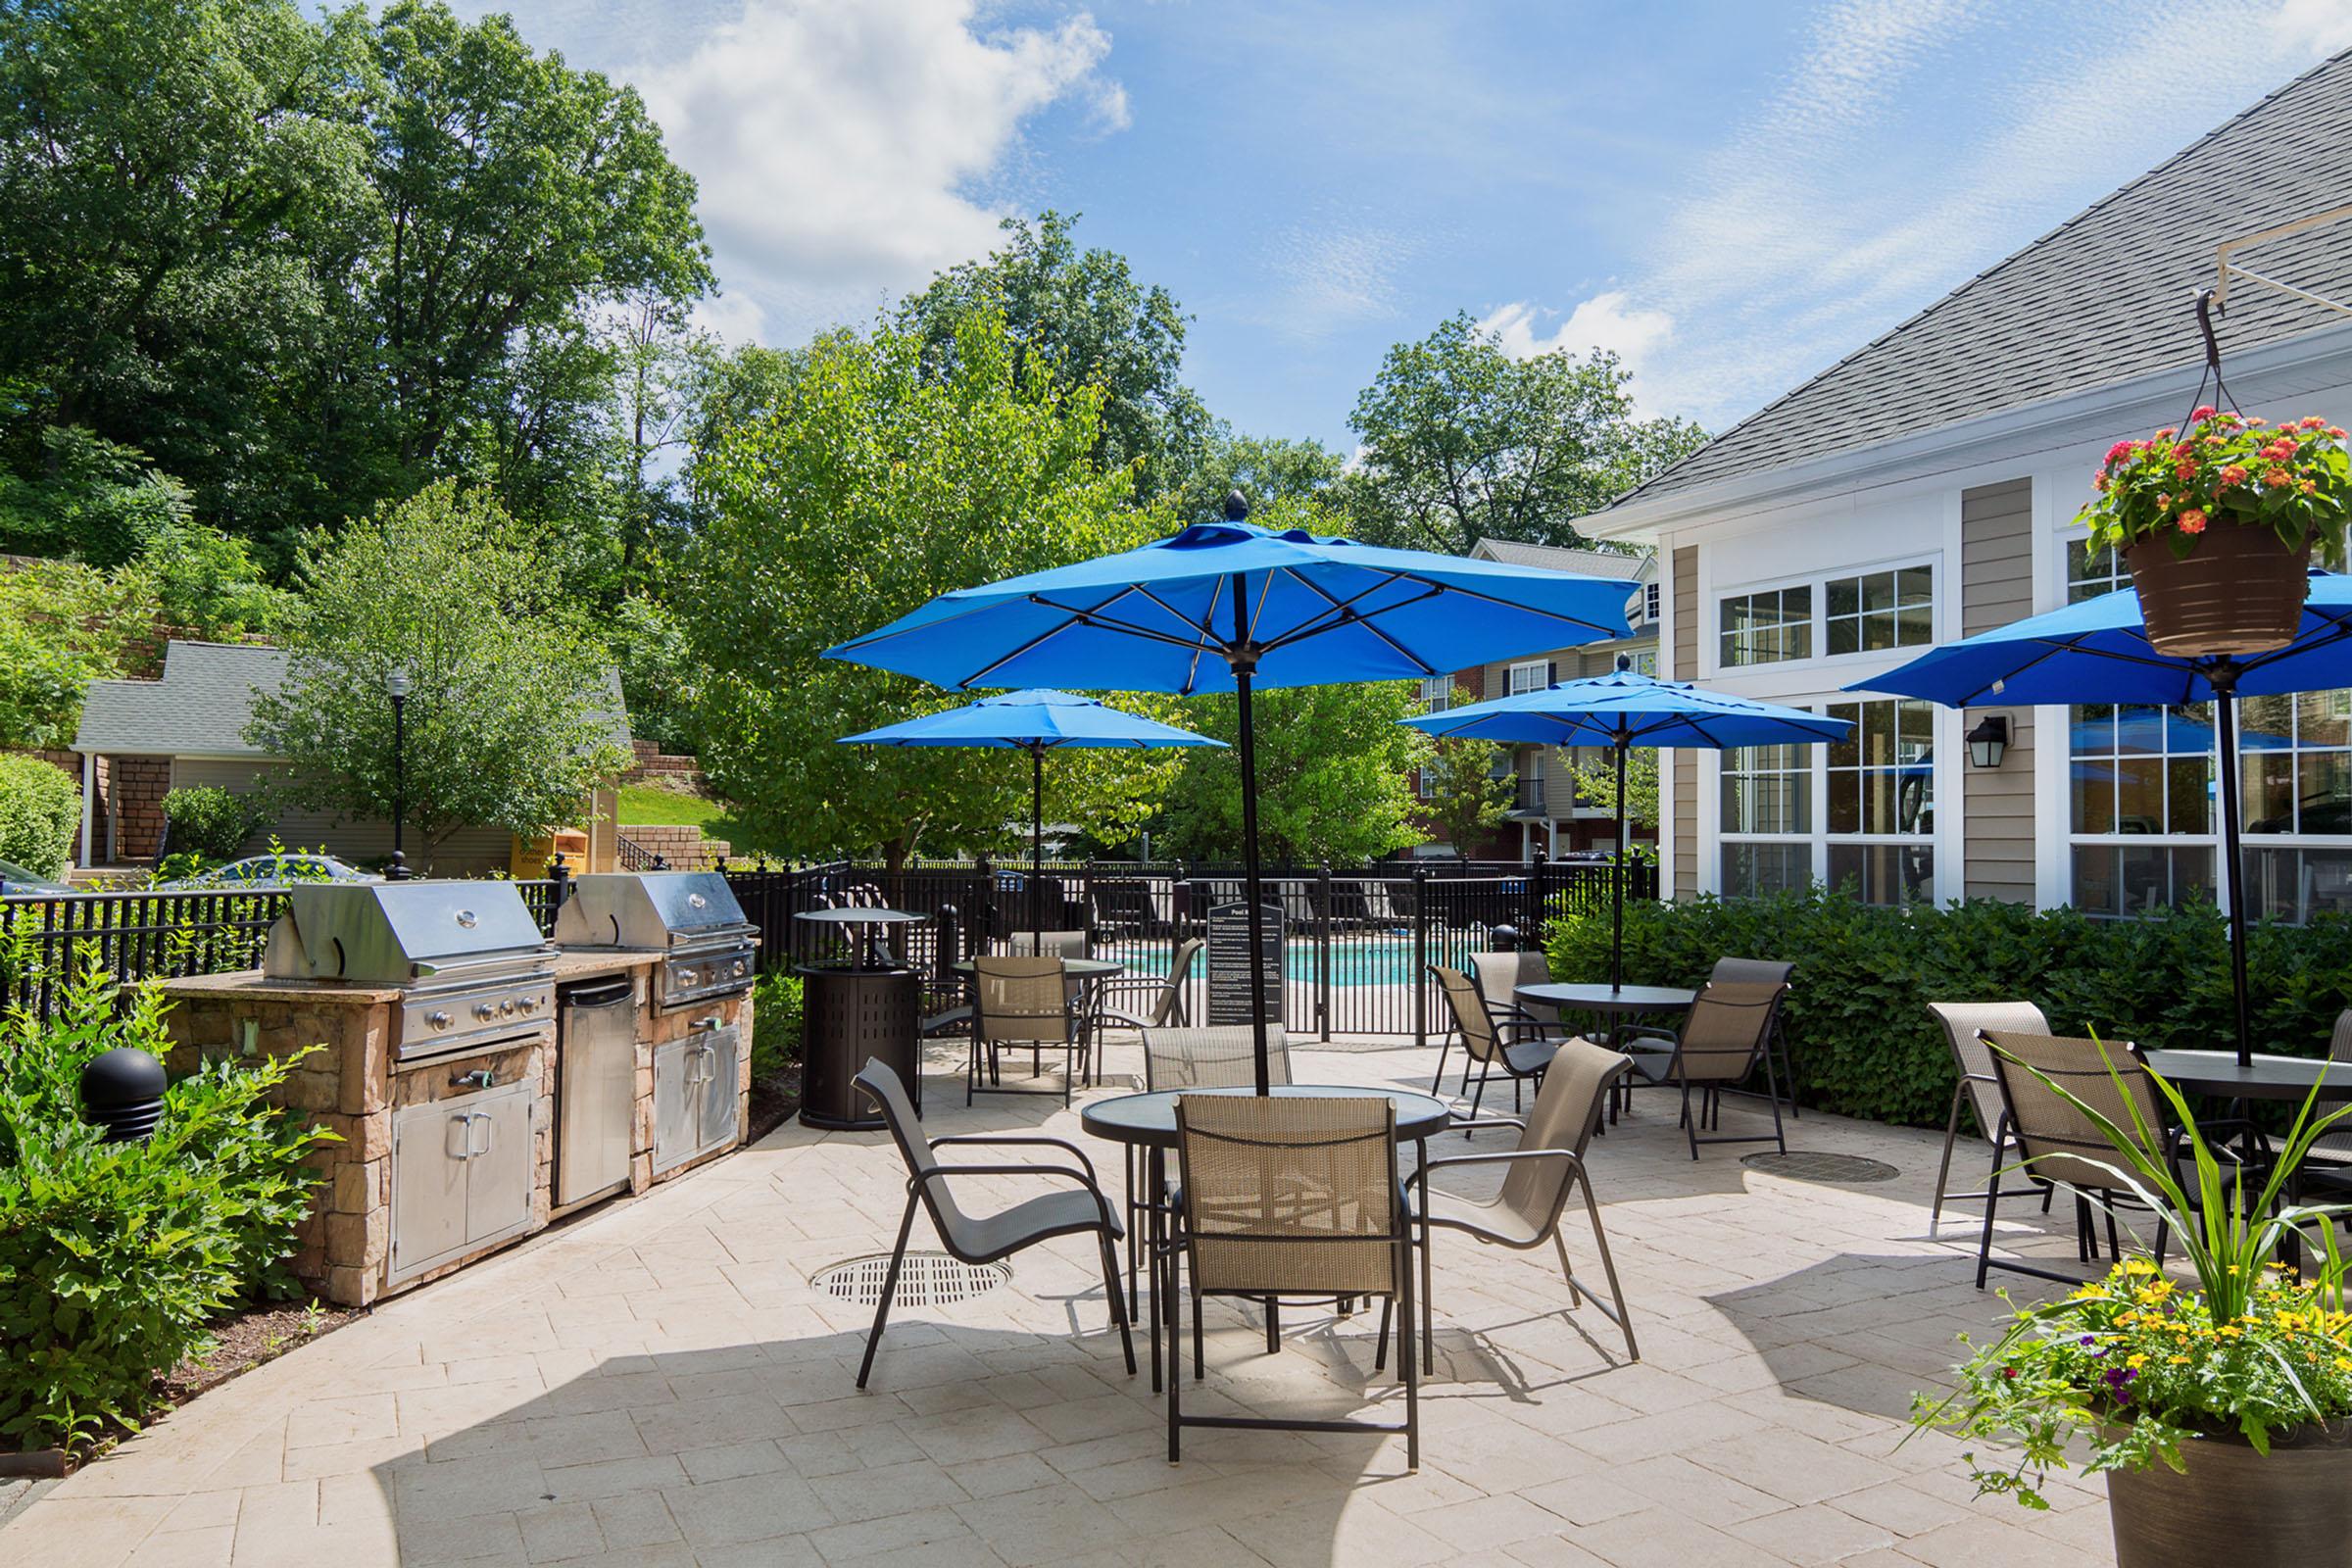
x,y
2240,591
2234,1505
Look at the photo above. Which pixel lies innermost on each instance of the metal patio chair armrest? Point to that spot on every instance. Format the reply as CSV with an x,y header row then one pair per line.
x,y
1670,1036
1473,1123
1094,1189
1501,1156
1029,1139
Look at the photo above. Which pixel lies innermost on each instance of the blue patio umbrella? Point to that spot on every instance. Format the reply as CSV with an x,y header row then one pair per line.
x,y
2098,652
1227,607
1037,722
1621,709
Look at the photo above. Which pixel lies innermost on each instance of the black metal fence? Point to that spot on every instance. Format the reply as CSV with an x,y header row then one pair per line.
x,y
1358,941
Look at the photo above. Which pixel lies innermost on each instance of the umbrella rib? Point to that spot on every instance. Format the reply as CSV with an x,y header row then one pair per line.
x,y
1338,615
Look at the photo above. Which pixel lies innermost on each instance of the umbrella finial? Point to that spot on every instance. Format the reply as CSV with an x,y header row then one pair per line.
x,y
1237,506
1625,664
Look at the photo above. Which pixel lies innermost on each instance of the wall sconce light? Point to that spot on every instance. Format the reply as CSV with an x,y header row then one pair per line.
x,y
1988,740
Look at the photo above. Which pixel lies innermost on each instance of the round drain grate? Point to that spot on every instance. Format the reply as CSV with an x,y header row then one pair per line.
x,y
1799,1165
928,1279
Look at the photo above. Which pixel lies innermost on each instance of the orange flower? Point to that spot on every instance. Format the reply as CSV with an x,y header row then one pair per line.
x,y
2233,474
2276,477
2192,521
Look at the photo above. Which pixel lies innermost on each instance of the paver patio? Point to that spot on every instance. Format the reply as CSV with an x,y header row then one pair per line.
x,y
660,1385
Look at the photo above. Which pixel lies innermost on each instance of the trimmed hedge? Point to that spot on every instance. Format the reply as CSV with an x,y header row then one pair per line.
x,y
40,812
1858,1024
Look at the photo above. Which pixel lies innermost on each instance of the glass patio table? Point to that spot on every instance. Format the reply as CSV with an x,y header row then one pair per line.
x,y
1148,1121
2266,1077
1614,1006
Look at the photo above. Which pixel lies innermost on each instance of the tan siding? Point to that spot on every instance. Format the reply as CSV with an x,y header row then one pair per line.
x,y
1685,769
1996,587
470,851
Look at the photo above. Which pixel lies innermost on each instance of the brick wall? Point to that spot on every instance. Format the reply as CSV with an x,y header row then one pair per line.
x,y
651,762
684,847
135,788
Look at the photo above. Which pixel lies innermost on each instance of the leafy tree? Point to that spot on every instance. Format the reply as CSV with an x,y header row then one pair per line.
x,y
40,812
874,483
507,714
1463,442
1266,470
1596,785
1470,787
1333,775
1083,317
88,499
62,627
206,582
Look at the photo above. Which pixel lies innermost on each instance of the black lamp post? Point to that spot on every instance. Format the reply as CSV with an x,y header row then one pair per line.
x,y
396,685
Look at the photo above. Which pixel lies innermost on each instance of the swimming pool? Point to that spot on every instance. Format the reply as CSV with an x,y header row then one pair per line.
x,y
1381,958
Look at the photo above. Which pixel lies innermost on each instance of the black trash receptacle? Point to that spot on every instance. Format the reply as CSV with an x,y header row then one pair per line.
x,y
850,1015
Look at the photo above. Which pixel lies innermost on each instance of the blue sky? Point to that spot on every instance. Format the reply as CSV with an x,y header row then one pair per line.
x,y
1733,196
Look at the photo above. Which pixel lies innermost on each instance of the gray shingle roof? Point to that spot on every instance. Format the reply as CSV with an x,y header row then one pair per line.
x,y
1592,563
202,704
2102,298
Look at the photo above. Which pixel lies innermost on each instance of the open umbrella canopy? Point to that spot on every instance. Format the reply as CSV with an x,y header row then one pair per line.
x,y
1626,709
1305,610
1227,607
1044,718
2098,652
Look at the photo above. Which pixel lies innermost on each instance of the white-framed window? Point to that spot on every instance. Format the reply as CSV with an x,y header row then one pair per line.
x,y
1649,603
1879,609
2092,572
1879,796
1766,825
1645,661
1436,694
2296,787
1425,784
1768,627
1532,675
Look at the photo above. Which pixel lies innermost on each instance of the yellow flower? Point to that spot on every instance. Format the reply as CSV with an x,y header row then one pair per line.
x,y
2180,1360
2136,1362
2343,1363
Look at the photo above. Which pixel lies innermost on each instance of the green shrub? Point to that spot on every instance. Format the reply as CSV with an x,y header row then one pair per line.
x,y
114,1256
207,820
41,810
1858,1026
775,1023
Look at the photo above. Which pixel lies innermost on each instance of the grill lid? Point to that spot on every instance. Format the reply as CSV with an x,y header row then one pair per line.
x,y
390,933
647,909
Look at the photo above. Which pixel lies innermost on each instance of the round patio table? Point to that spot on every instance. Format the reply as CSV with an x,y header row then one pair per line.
x,y
1148,1121
1615,1004
1075,968
871,922
2267,1077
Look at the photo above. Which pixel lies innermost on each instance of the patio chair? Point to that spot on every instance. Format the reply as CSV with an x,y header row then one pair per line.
x,y
2062,1145
1022,1000
1151,1002
1492,1036
1499,975
1541,1175
1291,1198
1965,1023
1723,1039
2332,1151
1219,1057
968,1240
1766,971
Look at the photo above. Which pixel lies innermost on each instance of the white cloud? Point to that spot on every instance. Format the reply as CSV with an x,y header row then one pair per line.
x,y
1609,320
1840,206
844,151
1333,274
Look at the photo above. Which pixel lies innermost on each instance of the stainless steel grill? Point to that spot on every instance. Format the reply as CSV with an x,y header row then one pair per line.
x,y
475,970
690,917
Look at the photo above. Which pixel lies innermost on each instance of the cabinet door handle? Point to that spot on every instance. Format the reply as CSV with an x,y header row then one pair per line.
x,y
465,1119
489,1134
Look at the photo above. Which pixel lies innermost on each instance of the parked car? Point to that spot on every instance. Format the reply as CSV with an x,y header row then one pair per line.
x,y
14,879
271,872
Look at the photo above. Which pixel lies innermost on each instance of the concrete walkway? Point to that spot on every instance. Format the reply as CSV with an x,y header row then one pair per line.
x,y
660,1385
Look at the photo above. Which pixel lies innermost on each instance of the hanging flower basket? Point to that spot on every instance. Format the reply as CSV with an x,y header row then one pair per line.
x,y
2220,524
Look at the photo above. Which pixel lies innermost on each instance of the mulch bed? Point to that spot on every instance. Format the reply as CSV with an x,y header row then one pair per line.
x,y
249,1336
774,1100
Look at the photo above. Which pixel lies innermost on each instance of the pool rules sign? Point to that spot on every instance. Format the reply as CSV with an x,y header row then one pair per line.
x,y
1229,1001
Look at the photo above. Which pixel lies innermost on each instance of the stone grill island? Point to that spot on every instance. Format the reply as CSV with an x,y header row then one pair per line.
x,y
471,1098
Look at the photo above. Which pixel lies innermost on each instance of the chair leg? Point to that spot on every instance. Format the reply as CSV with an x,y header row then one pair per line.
x,y
1118,1301
1478,1098
1943,1167
1428,1312
1608,1270
1992,1196
1380,1347
1200,1360
2114,1252
1405,1356
1175,1368
1443,1046
1689,1118
1772,1084
1576,1292
890,1288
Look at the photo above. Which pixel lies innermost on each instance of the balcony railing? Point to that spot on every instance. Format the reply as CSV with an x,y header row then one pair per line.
x,y
1529,800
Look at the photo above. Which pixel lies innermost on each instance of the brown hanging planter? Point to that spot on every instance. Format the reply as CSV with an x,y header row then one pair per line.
x,y
2239,592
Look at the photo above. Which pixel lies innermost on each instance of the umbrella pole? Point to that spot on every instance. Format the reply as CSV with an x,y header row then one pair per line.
x,y
2223,678
1617,882
1036,849
1242,660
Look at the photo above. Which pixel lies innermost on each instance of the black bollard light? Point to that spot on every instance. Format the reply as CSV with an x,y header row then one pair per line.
x,y
123,1092
1504,939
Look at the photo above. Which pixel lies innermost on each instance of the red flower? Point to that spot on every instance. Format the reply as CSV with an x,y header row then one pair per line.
x,y
2192,521
2186,469
2204,410
2165,434
2335,433
2312,421
2278,451
2233,474
2276,476
2119,451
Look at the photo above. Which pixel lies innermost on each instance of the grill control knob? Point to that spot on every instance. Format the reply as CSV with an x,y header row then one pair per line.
x,y
506,1008
687,977
439,1020
530,1005
482,1010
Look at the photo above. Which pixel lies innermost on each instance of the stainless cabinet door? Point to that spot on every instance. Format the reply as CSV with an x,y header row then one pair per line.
x,y
598,1092
497,1177
428,1184
677,1107
721,1103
